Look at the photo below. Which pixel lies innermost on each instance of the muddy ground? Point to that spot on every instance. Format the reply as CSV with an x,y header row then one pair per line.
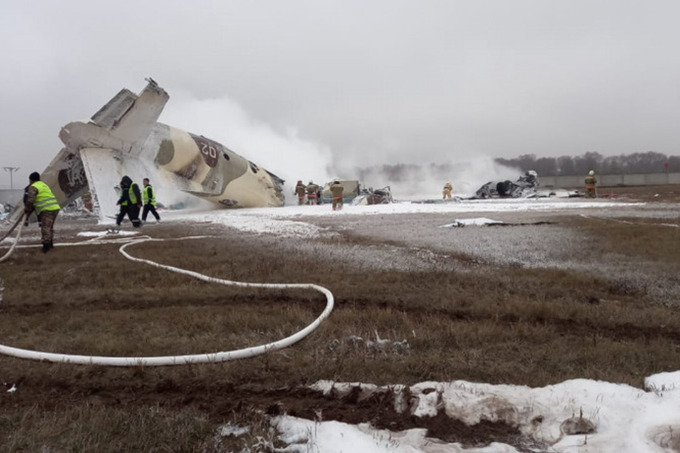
x,y
383,270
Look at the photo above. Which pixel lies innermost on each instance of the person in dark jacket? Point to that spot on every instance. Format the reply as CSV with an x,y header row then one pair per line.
x,y
130,201
149,198
25,201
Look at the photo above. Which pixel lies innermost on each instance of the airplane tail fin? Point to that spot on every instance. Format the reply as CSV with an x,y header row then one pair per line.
x,y
130,117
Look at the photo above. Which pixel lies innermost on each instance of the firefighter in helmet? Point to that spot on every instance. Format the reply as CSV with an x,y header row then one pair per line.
x,y
312,193
300,190
591,190
336,191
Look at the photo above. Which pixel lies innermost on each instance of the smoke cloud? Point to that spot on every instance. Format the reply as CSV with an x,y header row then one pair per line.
x,y
284,152
280,151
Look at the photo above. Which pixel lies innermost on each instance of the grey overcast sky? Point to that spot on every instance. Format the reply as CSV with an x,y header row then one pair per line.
x,y
351,82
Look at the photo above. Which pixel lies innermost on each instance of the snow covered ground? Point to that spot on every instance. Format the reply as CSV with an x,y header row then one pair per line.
x,y
573,416
289,220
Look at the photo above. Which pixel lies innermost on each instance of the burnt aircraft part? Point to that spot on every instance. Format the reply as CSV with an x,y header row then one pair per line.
x,y
72,179
229,203
524,187
372,196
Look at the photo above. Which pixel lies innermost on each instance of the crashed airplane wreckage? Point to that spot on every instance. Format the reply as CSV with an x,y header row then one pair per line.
x,y
525,187
356,194
124,138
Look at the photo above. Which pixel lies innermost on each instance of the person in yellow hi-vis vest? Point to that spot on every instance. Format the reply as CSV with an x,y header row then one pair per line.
x,y
39,197
130,201
149,198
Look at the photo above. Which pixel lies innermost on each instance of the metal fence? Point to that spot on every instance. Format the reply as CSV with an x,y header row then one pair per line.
x,y
636,179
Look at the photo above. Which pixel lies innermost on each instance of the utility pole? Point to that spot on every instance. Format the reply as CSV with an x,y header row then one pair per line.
x,y
11,170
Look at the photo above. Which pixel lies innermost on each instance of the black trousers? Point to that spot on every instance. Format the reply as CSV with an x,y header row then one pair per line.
x,y
149,208
132,212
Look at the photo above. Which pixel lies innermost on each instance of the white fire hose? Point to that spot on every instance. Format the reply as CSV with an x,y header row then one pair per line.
x,y
16,241
212,357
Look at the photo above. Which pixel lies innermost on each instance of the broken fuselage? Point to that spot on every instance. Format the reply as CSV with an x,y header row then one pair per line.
x,y
124,138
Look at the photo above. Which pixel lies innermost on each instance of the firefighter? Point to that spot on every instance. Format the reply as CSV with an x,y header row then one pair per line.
x,y
336,191
130,201
300,191
447,190
312,193
149,198
39,197
591,191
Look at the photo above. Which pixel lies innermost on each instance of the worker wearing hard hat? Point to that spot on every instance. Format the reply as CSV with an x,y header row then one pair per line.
x,y
591,190
337,190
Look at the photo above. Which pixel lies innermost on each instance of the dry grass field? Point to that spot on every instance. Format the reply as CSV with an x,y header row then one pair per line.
x,y
552,296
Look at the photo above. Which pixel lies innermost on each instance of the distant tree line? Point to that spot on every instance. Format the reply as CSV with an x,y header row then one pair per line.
x,y
649,162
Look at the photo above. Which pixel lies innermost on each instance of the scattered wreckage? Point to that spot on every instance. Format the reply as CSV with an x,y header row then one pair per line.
x,y
124,138
524,187
372,196
356,194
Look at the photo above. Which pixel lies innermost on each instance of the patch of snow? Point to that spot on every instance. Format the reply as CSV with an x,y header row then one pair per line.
x,y
663,382
233,430
480,221
622,419
90,234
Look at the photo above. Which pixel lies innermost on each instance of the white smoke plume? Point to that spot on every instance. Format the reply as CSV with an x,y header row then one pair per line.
x,y
291,157
426,180
282,152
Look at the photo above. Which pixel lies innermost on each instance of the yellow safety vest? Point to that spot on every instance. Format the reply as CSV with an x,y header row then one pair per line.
x,y
45,200
131,195
145,195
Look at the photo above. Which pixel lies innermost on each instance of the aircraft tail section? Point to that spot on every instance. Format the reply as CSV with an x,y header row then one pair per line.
x,y
130,117
104,169
110,115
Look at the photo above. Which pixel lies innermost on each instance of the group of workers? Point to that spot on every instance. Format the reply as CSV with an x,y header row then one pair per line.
x,y
131,200
311,193
39,197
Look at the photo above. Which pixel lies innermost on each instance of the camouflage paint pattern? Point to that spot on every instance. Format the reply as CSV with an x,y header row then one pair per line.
x,y
126,129
214,172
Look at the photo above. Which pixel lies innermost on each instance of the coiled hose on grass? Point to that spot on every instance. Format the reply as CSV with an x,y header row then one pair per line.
x,y
213,357
16,241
